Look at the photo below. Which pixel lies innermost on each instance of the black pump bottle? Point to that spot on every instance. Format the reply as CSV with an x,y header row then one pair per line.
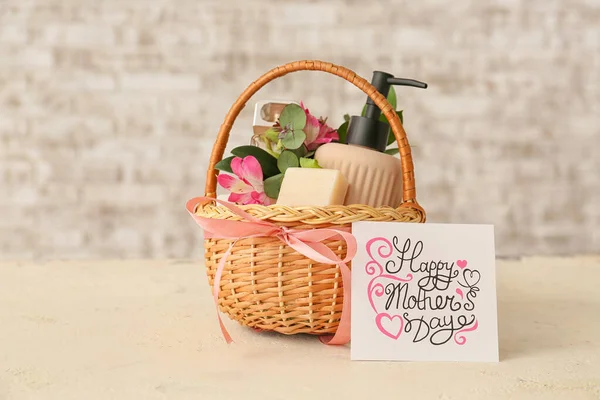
x,y
369,131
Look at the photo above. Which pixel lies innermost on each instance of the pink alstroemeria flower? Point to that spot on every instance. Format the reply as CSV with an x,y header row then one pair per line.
x,y
317,131
247,186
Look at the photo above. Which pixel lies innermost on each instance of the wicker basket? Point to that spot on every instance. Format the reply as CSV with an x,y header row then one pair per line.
x,y
266,284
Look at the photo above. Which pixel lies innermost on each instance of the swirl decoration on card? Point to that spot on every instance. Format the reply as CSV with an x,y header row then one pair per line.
x,y
384,321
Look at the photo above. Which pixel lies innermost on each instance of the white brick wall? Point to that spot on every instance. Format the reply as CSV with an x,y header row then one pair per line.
x,y
108,111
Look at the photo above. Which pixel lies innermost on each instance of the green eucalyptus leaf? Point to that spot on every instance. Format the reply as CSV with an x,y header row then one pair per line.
x,y
391,97
309,163
400,115
391,138
300,151
342,131
392,151
267,162
292,116
286,160
294,139
272,134
272,186
309,154
225,165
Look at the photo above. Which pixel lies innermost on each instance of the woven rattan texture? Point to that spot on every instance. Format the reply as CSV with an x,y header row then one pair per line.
x,y
316,216
270,286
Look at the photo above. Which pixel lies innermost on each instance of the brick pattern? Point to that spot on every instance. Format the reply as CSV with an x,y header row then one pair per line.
x,y
108,111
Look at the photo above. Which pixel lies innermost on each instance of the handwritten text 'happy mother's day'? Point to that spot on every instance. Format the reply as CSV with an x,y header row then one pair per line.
x,y
428,300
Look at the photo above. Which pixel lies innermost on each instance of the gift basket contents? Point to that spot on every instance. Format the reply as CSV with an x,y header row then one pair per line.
x,y
278,243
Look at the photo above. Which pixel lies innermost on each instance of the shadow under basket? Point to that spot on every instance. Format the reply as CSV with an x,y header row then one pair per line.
x,y
265,283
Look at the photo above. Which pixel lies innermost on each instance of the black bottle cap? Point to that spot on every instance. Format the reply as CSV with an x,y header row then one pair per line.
x,y
369,131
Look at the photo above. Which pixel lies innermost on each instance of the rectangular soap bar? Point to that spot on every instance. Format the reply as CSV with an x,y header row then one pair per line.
x,y
312,187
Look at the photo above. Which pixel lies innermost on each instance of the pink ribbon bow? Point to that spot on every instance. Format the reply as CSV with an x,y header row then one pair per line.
x,y
306,242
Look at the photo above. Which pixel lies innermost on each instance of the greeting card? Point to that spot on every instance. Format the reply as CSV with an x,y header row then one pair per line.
x,y
424,292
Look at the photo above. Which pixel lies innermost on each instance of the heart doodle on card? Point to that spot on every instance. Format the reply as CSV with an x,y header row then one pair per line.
x,y
471,277
461,263
388,325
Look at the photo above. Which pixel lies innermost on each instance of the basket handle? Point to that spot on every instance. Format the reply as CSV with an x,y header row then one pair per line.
x,y
408,179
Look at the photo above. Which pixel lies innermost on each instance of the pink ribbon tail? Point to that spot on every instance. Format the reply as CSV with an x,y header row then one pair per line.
x,y
306,242
342,335
216,286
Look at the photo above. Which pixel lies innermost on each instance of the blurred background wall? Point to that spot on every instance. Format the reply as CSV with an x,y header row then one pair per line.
x,y
108,111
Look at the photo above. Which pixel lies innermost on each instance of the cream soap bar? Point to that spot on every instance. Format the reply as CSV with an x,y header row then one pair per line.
x,y
312,187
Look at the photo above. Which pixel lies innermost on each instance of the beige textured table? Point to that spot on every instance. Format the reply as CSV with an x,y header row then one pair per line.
x,y
147,330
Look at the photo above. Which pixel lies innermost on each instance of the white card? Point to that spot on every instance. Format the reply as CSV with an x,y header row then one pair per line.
x,y
424,292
